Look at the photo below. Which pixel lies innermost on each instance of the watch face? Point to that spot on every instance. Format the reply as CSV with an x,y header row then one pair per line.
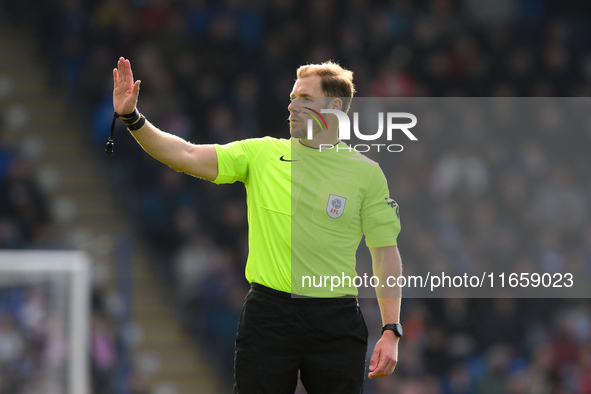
x,y
396,327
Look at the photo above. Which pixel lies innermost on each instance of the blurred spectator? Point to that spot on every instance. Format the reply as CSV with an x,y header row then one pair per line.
x,y
460,173
103,361
23,207
31,348
560,203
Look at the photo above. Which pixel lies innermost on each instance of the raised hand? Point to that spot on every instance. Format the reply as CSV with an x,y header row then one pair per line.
x,y
125,90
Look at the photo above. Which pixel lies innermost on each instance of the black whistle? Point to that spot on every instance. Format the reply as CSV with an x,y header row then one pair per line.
x,y
109,149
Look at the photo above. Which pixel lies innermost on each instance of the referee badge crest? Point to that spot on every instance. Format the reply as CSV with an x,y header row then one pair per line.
x,y
335,206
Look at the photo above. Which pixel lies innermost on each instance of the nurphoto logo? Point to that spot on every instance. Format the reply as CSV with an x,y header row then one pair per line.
x,y
344,132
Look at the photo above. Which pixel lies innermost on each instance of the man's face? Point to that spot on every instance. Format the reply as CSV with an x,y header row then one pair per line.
x,y
306,92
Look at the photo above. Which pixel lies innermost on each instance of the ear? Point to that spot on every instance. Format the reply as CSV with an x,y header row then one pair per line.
x,y
337,103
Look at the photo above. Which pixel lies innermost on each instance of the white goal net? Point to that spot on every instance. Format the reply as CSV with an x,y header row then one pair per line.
x,y
44,313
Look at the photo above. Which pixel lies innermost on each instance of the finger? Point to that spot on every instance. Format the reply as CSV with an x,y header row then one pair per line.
x,y
130,72
378,372
120,70
123,70
115,77
385,368
126,72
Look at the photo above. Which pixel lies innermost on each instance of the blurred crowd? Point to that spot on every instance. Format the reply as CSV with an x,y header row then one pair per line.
x,y
34,342
218,71
34,345
32,352
33,331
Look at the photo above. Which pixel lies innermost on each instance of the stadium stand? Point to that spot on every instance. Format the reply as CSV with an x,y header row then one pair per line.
x,y
217,71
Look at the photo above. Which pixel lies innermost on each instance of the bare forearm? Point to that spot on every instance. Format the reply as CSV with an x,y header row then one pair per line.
x,y
162,146
180,155
387,263
389,310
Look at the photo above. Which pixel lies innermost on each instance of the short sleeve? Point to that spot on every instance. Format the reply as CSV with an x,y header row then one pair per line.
x,y
234,159
380,217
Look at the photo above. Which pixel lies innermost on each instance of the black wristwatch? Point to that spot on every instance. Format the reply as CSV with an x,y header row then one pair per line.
x,y
396,327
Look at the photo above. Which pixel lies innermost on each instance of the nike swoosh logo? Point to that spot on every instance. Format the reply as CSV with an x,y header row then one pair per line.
x,y
282,159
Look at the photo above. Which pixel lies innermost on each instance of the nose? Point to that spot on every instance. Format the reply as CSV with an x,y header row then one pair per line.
x,y
293,107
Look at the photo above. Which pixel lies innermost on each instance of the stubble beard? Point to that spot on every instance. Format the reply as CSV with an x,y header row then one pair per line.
x,y
297,131
300,130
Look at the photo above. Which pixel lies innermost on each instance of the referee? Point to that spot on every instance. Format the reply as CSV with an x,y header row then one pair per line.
x,y
308,209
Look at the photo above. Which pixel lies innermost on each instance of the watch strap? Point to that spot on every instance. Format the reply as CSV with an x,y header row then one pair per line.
x,y
396,327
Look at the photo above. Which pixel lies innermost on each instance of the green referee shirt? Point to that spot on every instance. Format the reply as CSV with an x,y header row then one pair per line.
x,y
307,211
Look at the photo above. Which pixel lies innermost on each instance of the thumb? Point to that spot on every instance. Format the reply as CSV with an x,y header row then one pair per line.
x,y
136,87
374,361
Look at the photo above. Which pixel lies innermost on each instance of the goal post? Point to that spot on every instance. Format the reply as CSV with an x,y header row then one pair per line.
x,y
48,292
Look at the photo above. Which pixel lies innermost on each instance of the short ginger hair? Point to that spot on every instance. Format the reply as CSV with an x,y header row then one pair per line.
x,y
335,81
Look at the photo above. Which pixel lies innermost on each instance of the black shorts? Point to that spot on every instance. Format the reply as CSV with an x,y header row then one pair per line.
x,y
325,340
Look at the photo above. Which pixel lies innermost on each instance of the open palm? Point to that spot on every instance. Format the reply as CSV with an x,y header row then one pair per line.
x,y
125,90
